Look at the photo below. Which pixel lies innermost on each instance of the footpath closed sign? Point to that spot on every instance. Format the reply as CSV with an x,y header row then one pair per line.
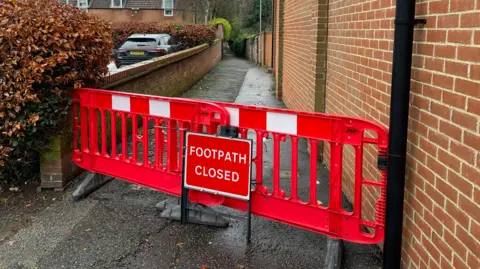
x,y
219,165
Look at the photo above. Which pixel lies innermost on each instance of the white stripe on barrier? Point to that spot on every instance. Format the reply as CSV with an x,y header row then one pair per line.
x,y
234,116
121,103
160,108
282,123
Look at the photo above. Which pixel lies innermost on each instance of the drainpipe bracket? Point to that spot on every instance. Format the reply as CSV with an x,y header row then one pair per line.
x,y
411,22
382,162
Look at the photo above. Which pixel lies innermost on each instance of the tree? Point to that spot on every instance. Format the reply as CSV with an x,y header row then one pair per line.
x,y
205,10
202,9
252,17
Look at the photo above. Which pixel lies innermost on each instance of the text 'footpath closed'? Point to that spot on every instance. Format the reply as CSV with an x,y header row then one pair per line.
x,y
218,155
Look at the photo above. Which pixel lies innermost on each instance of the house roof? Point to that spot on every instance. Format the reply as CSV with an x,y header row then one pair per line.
x,y
144,4
101,4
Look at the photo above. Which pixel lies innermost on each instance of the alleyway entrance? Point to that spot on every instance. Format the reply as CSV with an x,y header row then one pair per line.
x,y
118,226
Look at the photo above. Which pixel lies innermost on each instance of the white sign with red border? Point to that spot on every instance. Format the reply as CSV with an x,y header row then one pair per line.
x,y
218,165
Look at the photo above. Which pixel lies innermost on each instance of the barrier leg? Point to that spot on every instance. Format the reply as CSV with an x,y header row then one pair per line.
x,y
334,254
91,183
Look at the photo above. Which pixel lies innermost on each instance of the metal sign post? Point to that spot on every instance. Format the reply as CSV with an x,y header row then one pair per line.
x,y
184,195
249,221
219,165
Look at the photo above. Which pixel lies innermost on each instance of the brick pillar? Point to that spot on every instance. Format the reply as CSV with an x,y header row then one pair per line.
x,y
219,32
57,168
263,48
279,23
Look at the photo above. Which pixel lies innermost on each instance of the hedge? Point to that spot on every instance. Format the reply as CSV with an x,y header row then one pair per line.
x,y
239,45
227,27
190,35
47,49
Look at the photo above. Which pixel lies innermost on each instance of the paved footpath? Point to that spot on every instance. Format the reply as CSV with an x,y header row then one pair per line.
x,y
119,227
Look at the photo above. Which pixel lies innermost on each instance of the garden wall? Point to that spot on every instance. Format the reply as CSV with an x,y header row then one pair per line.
x,y
170,75
251,51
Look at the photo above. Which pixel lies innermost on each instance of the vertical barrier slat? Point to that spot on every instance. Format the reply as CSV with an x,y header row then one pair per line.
x,y
124,137
276,165
196,128
145,141
243,133
172,162
212,129
158,141
294,191
259,159
357,204
93,131
104,132
161,142
182,129
75,126
134,138
313,172
84,128
335,203
113,132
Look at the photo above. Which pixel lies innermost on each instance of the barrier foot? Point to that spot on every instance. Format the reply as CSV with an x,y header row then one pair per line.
x,y
333,259
91,183
197,213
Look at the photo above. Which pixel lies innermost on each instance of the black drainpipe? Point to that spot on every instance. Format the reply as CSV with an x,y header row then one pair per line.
x,y
402,66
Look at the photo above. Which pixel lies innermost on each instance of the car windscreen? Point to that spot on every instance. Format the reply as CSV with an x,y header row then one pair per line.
x,y
139,43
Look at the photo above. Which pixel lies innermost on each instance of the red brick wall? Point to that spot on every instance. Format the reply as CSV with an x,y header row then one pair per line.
x,y
299,44
278,49
442,212
267,49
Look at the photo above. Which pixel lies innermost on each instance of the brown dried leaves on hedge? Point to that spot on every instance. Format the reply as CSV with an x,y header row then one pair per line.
x,y
190,35
46,49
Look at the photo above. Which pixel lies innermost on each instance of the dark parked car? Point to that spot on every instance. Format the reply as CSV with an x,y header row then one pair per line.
x,y
141,47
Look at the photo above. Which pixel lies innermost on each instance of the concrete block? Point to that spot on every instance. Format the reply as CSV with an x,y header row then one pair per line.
x,y
333,258
91,183
197,213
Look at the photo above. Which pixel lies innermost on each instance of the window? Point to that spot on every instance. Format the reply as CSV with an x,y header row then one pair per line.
x,y
140,40
82,4
166,40
117,3
167,6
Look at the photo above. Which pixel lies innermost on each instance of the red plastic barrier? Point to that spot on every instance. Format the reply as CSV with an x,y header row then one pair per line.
x,y
168,118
